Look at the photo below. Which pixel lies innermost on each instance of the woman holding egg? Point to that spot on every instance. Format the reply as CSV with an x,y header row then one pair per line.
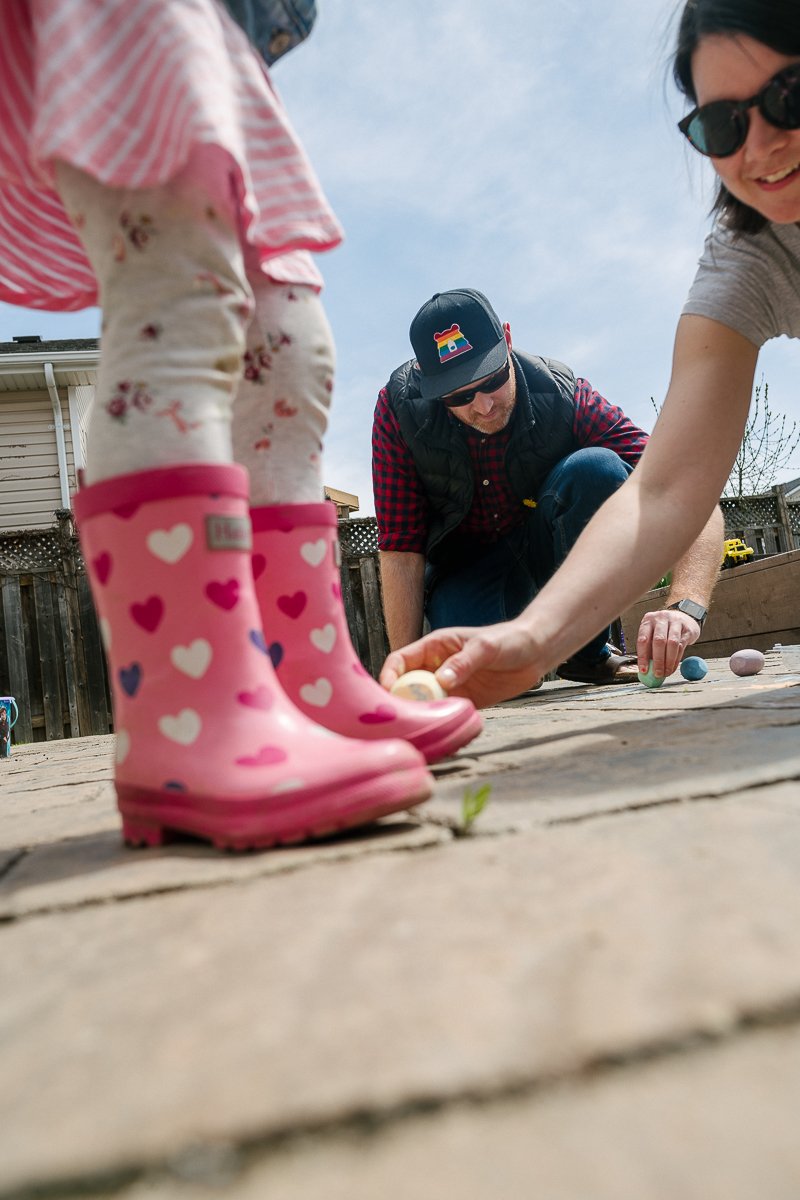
x,y
738,64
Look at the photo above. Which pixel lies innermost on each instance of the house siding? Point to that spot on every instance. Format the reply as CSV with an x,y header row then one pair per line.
x,y
80,403
30,490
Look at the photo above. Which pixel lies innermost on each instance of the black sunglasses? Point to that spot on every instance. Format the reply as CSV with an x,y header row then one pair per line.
x,y
720,128
459,399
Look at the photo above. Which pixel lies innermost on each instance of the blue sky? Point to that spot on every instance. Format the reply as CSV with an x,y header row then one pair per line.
x,y
528,149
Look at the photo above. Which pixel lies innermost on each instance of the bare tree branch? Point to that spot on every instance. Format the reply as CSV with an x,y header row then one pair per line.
x,y
767,446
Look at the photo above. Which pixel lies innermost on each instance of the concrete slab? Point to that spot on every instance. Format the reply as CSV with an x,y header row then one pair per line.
x,y
563,754
96,869
52,790
78,761
133,1031
715,1124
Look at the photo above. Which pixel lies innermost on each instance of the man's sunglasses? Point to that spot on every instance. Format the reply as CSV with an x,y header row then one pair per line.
x,y
459,399
720,129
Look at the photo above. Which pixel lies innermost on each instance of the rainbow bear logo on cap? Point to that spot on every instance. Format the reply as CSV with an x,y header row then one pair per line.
x,y
451,343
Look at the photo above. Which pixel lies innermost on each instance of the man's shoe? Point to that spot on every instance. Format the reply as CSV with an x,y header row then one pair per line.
x,y
614,668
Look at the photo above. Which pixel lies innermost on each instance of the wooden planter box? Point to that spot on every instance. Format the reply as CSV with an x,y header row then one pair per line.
x,y
753,606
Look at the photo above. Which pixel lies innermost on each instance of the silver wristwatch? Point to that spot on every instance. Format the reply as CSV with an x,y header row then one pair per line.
x,y
692,609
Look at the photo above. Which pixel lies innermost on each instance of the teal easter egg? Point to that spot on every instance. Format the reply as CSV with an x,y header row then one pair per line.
x,y
694,668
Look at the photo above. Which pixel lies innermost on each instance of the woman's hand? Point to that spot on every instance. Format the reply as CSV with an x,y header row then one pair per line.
x,y
486,664
663,638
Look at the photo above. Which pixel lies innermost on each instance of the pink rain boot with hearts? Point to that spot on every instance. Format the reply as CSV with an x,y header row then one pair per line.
x,y
296,572
207,742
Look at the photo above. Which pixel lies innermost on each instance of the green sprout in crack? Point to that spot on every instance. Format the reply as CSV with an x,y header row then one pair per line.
x,y
473,804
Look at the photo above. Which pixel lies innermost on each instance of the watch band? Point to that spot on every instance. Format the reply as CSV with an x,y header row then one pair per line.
x,y
692,609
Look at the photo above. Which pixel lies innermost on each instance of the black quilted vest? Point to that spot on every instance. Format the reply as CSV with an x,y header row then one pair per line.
x,y
541,435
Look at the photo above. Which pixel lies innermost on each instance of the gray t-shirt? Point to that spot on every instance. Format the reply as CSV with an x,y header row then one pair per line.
x,y
750,282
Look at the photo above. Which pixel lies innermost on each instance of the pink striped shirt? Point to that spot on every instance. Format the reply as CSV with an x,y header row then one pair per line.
x,y
132,92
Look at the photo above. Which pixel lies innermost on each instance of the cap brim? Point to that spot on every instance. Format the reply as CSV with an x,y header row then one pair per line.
x,y
431,387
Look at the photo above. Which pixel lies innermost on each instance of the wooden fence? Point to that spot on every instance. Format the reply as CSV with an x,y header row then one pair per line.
x,y
361,590
51,659
769,523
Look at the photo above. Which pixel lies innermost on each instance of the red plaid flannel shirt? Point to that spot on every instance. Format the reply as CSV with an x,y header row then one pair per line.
x,y
401,506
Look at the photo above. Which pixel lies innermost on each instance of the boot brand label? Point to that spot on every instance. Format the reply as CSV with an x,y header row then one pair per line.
x,y
228,533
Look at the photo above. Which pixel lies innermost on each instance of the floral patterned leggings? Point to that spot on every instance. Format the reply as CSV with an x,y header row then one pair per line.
x,y
202,359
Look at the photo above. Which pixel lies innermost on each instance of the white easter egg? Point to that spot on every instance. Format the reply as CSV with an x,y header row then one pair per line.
x,y
418,685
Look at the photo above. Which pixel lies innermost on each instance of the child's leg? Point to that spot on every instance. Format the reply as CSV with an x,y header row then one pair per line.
x,y
206,740
282,407
279,422
176,304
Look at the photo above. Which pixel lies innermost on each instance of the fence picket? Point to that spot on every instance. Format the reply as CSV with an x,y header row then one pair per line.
x,y
373,613
16,657
97,692
50,657
71,661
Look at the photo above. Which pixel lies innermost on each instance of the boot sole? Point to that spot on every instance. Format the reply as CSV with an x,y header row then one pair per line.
x,y
150,818
441,741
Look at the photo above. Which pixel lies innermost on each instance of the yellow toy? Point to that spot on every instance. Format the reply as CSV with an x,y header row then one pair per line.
x,y
735,552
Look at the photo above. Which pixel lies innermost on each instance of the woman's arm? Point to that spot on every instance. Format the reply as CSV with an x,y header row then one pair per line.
x,y
638,533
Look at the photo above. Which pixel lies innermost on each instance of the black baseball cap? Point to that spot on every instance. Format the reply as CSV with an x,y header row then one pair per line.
x,y
457,338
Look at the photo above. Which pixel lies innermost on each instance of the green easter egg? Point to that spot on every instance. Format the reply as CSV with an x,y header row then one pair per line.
x,y
649,679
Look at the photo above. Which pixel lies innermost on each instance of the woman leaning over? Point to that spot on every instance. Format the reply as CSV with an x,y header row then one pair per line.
x,y
738,64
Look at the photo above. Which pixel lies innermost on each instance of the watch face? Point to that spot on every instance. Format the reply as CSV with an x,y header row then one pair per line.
x,y
691,609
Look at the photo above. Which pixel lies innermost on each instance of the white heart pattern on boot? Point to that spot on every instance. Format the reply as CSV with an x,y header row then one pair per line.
x,y
324,639
170,545
193,660
318,693
183,728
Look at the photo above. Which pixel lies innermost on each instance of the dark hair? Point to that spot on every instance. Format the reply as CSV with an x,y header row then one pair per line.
x,y
776,23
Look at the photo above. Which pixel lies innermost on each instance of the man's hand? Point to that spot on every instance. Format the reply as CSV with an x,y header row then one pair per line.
x,y
486,665
663,637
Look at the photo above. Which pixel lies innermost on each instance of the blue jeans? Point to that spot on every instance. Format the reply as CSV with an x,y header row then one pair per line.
x,y
501,579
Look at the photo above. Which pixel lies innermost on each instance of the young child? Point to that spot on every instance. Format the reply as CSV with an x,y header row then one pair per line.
x,y
146,163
